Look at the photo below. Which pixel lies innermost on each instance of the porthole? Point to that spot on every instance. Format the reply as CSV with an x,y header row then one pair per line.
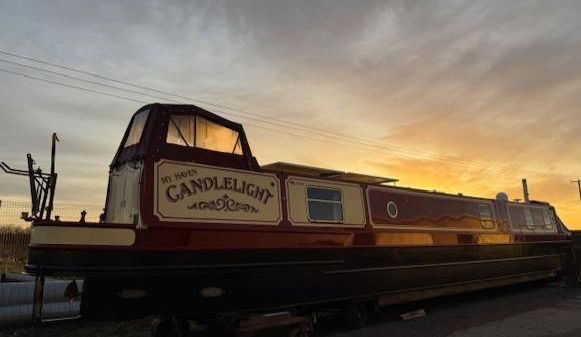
x,y
392,210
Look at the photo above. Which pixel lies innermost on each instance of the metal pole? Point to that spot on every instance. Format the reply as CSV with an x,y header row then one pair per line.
x,y
578,181
32,181
52,152
38,299
52,181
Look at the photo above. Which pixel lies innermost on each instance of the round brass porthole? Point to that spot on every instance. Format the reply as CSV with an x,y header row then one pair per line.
x,y
392,210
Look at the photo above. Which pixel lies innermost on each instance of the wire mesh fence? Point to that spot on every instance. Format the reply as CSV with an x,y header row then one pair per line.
x,y
10,212
15,232
13,244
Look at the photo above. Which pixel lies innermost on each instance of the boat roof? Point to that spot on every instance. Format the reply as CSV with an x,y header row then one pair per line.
x,y
327,173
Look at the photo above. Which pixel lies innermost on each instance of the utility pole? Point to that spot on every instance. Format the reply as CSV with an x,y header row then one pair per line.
x,y
578,181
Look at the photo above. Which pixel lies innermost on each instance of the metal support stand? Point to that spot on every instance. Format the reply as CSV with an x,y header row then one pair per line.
x,y
42,185
38,299
42,188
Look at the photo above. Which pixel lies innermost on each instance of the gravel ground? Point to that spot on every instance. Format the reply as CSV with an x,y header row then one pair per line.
x,y
533,310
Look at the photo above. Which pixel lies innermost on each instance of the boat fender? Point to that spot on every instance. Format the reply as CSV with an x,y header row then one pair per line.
x,y
72,291
210,292
132,294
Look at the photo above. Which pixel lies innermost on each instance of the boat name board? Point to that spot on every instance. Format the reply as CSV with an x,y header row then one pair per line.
x,y
186,192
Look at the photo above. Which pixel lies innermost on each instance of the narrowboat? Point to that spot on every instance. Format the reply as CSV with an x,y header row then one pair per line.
x,y
194,225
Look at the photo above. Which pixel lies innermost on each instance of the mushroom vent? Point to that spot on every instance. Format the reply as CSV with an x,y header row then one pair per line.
x,y
501,196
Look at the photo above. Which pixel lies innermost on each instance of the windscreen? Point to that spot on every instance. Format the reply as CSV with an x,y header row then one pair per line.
x,y
181,130
193,131
137,127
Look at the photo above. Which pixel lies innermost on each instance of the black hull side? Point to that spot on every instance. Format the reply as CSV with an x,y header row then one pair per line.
x,y
239,281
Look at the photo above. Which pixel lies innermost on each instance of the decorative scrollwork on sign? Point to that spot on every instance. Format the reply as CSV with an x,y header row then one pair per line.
x,y
225,204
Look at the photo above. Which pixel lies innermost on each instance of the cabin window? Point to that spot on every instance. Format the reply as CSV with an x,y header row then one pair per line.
x,y
549,219
215,137
192,131
486,216
530,223
137,127
325,204
181,130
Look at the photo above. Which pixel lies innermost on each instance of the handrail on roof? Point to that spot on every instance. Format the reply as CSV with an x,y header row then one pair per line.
x,y
327,173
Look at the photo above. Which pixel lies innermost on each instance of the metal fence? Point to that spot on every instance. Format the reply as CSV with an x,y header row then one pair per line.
x,y
15,232
10,212
13,244
16,297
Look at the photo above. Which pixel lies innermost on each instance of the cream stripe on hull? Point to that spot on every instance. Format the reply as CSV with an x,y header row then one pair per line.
x,y
94,236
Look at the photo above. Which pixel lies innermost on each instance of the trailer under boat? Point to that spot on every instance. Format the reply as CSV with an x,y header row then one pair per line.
x,y
193,226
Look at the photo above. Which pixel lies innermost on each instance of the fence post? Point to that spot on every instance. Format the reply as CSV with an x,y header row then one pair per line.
x,y
38,299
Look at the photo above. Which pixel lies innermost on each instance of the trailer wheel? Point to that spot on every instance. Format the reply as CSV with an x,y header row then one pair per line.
x,y
162,327
356,316
181,327
298,331
170,327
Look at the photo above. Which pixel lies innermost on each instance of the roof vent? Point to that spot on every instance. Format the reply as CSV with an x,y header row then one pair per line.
x,y
501,196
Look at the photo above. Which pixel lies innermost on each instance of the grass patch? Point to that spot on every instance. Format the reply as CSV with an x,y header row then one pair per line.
x,y
15,267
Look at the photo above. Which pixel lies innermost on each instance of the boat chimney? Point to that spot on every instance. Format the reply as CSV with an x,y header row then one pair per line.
x,y
525,190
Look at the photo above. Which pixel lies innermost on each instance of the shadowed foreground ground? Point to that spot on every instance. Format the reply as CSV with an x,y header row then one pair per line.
x,y
533,310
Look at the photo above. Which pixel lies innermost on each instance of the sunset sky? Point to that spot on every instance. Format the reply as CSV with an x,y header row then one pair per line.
x,y
456,96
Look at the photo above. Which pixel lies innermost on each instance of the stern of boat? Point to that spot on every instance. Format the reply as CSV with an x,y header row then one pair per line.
x,y
78,248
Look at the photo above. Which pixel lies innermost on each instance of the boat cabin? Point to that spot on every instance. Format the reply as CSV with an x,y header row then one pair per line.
x,y
180,165
179,133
